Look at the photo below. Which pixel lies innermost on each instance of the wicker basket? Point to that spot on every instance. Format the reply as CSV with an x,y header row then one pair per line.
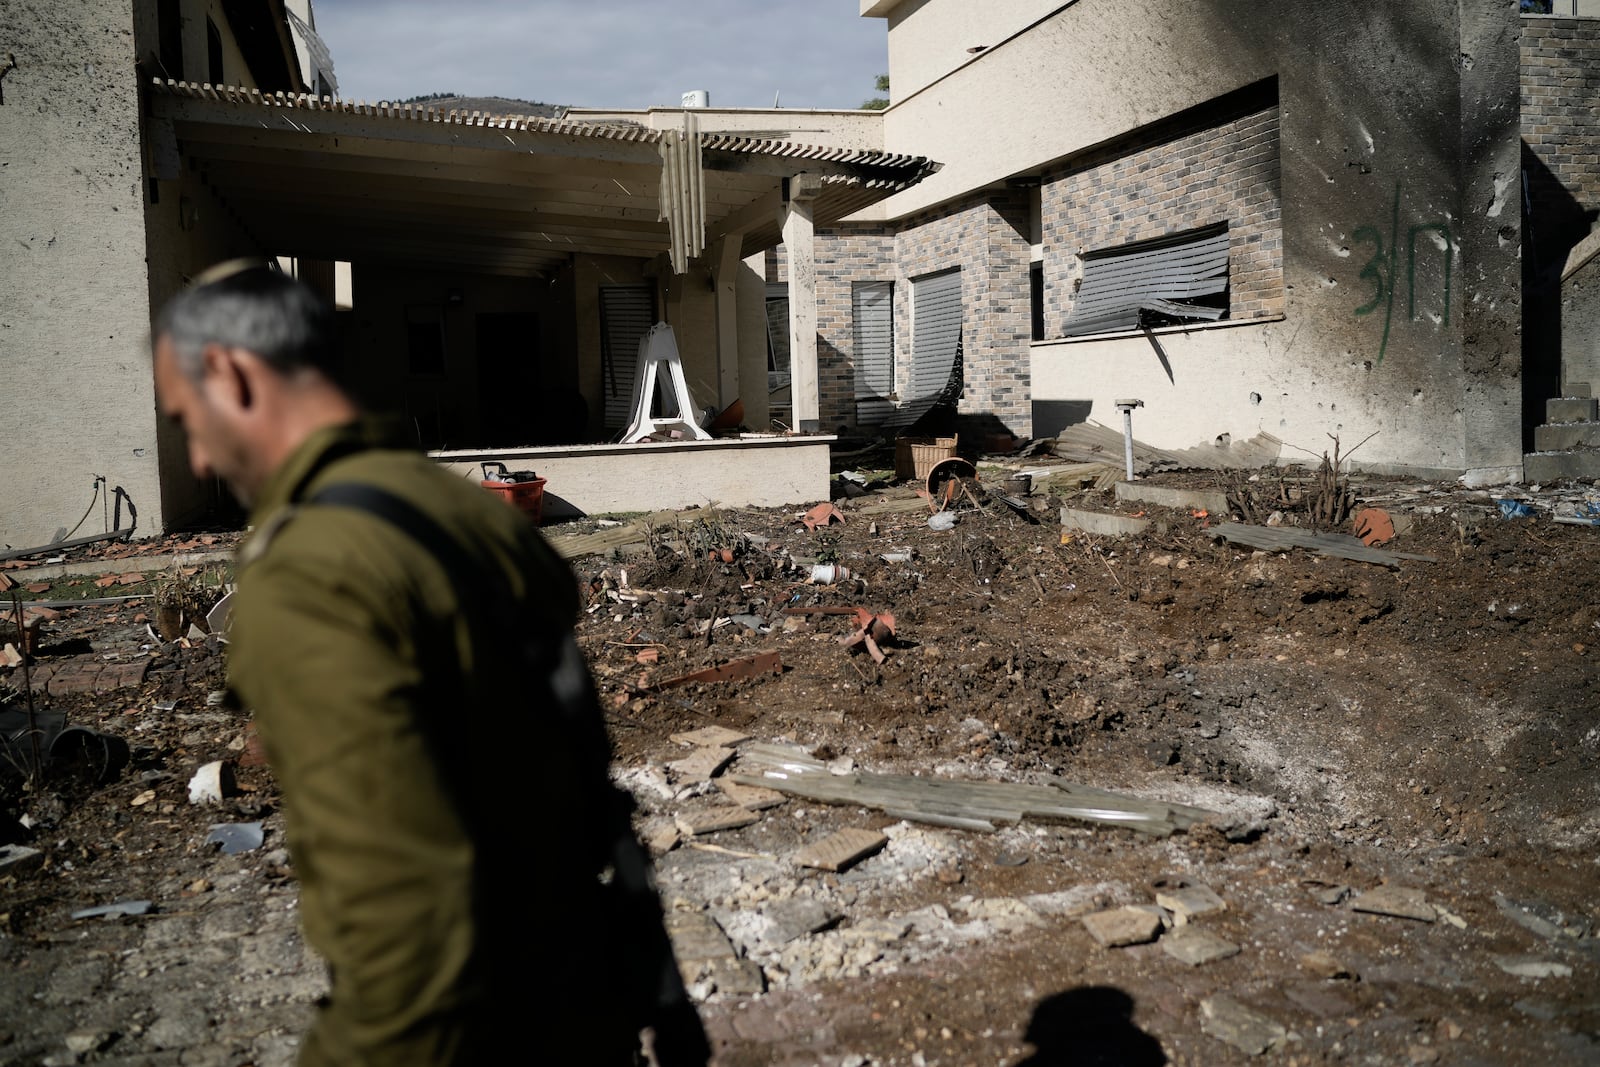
x,y
914,457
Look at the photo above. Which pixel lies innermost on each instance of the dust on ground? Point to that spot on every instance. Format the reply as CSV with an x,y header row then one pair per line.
x,y
1430,727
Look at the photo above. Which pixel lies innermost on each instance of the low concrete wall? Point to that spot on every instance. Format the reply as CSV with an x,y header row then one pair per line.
x,y
763,472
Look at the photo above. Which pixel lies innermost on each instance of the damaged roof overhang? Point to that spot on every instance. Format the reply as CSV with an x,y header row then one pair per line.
x,y
333,179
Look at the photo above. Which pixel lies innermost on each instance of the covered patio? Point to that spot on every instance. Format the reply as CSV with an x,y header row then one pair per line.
x,y
503,268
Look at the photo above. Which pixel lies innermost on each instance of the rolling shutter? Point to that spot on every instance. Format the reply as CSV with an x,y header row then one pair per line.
x,y
935,333
626,314
1155,276
873,306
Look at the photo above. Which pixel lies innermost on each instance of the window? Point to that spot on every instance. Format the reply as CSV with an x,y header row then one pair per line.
x,y
872,304
1153,283
777,336
169,37
213,53
626,314
936,373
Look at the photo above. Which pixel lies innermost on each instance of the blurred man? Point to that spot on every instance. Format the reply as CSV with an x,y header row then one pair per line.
x,y
405,640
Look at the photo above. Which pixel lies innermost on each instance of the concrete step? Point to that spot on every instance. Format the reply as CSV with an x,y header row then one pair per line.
x,y
1571,409
1561,436
1553,466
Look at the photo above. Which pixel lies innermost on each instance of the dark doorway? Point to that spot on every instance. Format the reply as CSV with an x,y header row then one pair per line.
x,y
509,378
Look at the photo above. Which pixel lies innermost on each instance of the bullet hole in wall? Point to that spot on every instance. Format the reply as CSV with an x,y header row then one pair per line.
x,y
1255,398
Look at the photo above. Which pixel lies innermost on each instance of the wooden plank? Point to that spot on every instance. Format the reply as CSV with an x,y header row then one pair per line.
x,y
750,797
1283,538
709,821
717,736
702,764
840,850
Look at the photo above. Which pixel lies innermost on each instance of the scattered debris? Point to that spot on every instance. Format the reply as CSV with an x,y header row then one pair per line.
x,y
968,804
19,859
1374,527
1283,538
750,667
1127,925
709,821
115,911
841,849
1189,901
211,783
1326,965
712,737
701,764
823,514
235,837
1532,967
1194,946
1403,902
1232,1023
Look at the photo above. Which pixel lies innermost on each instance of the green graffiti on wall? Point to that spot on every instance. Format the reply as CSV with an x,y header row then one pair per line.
x,y
1380,270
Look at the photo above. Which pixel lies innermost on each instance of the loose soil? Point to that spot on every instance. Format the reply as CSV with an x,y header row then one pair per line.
x,y
1433,725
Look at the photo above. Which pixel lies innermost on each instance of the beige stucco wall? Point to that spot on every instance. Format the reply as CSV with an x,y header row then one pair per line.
x,y
662,475
1388,141
74,308
930,38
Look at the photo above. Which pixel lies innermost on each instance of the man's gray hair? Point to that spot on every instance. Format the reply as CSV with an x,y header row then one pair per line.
x,y
257,309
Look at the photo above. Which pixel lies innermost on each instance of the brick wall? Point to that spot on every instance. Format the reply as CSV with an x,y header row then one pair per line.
x,y
1165,181
986,237
1561,130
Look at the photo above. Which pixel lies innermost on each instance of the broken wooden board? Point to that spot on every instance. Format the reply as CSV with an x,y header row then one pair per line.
x,y
695,823
964,804
1404,902
701,764
1283,538
711,737
1122,926
749,797
841,849
750,667
1194,946
1246,1030
1190,901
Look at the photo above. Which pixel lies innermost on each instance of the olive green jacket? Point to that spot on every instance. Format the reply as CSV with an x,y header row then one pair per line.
x,y
403,739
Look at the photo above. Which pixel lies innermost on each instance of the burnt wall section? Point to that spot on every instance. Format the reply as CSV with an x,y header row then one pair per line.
x,y
74,311
1215,164
1495,383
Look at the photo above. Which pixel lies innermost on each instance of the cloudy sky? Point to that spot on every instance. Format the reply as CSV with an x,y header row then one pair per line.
x,y
607,53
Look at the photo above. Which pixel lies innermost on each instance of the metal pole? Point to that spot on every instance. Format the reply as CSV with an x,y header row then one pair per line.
x,y
1126,407
1127,440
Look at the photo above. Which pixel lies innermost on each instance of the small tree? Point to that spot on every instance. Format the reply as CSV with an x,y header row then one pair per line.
x,y
878,103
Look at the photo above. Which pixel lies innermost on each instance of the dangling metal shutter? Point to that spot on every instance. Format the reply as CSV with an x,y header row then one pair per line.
x,y
1154,275
873,307
626,314
935,332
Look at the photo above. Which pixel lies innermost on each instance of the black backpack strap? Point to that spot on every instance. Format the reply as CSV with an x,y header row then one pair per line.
x,y
465,573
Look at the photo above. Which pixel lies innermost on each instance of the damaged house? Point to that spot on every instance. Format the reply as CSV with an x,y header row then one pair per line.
x,y
502,270
1277,222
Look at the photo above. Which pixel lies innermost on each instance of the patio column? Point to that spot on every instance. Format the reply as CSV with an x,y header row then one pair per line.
x,y
799,240
730,260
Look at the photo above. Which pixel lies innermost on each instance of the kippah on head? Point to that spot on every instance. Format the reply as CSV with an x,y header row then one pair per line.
x,y
229,267
251,304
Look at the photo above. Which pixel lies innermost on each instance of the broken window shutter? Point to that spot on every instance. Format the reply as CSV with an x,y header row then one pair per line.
x,y
1158,276
936,332
874,350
